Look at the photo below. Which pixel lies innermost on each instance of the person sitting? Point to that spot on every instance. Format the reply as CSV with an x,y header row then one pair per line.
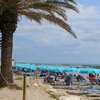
x,y
56,79
79,78
93,79
49,79
68,80
98,79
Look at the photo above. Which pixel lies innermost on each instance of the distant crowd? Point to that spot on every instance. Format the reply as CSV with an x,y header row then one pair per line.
x,y
51,77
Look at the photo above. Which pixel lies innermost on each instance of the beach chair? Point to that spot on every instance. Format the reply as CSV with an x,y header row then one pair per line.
x,y
72,87
86,88
91,90
85,83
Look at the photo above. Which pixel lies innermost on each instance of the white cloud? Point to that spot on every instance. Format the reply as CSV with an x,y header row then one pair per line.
x,y
50,34
86,12
86,25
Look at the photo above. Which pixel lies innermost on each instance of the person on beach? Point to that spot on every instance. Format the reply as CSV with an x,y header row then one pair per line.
x,y
98,79
68,80
92,78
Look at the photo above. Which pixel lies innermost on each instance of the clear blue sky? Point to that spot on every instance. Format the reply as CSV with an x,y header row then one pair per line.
x,y
89,2
50,44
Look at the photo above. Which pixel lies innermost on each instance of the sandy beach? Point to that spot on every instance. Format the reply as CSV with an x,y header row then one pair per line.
x,y
36,90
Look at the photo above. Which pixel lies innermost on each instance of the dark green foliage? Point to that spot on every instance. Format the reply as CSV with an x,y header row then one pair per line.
x,y
9,15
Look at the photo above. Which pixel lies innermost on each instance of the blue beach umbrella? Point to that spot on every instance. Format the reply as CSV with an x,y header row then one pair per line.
x,y
87,70
32,67
75,70
67,69
25,66
71,70
61,69
97,71
42,67
19,66
53,68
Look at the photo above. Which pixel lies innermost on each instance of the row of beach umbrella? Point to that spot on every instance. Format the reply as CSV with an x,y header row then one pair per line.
x,y
58,68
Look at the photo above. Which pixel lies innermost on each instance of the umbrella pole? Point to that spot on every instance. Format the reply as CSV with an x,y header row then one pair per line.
x,y
24,87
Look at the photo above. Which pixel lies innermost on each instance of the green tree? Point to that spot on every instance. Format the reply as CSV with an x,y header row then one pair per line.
x,y
53,11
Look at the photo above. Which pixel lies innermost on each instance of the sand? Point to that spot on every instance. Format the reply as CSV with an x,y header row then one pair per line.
x,y
31,94
70,97
33,91
36,90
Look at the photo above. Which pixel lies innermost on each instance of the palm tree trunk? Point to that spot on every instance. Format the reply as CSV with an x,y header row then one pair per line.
x,y
6,58
8,25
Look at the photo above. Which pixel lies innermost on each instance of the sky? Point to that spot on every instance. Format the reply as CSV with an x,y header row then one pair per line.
x,y
48,43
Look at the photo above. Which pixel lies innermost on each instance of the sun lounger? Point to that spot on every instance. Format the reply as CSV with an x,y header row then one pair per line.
x,y
85,83
86,88
91,90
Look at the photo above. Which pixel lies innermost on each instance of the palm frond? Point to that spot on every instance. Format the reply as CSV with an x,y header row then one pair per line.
x,y
71,1
63,4
37,16
59,22
53,11
47,8
31,15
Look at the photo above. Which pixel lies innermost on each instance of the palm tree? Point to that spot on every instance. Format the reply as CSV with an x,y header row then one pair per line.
x,y
53,11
